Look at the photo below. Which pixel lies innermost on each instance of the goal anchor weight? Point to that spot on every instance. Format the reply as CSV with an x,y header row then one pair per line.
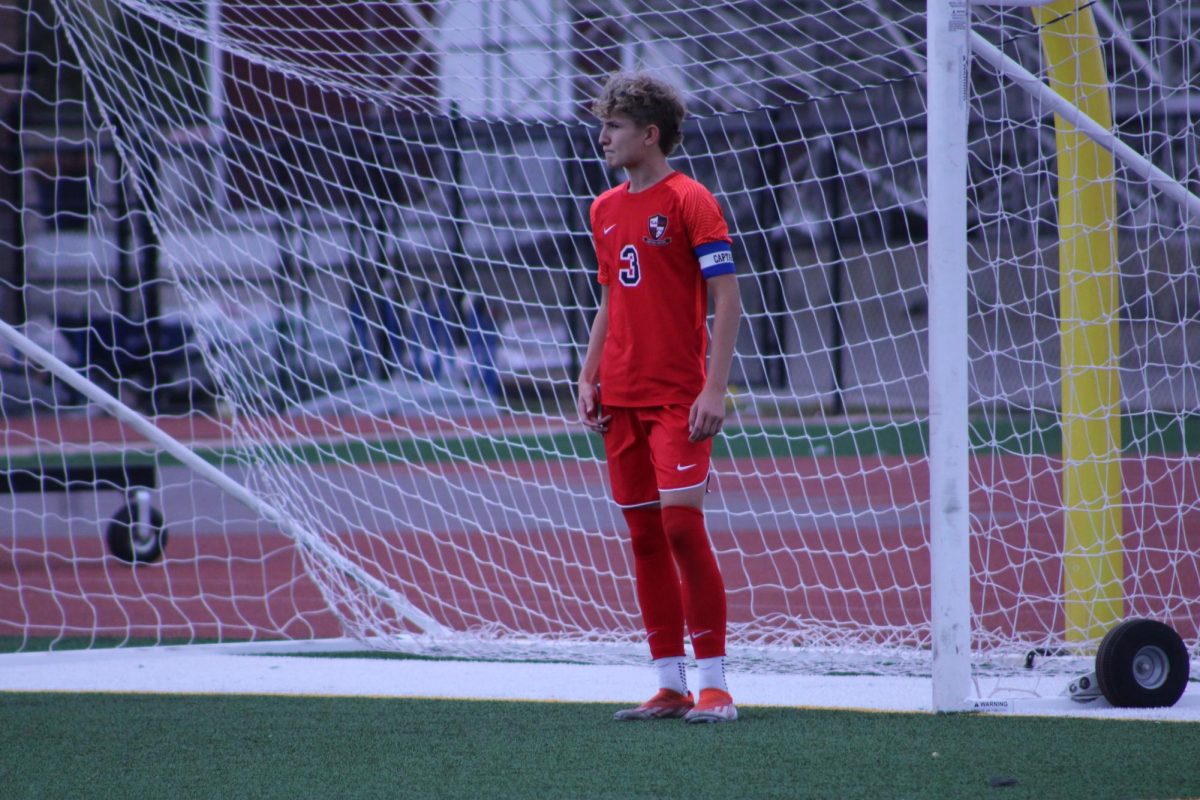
x,y
1141,663
137,532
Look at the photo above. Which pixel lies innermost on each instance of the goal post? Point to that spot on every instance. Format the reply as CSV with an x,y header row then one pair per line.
x,y
948,71
307,287
1093,593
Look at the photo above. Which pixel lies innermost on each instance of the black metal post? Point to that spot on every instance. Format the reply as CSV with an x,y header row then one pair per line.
x,y
14,309
151,248
13,306
767,254
457,204
574,223
833,187
126,280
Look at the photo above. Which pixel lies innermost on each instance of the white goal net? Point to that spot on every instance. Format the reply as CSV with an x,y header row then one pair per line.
x,y
340,253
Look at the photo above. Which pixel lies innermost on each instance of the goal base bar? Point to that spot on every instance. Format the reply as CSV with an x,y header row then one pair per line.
x,y
1189,704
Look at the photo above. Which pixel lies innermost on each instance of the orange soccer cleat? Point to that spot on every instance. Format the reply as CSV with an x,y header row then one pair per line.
x,y
667,704
714,706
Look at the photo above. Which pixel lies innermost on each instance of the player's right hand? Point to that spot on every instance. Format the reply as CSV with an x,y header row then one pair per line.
x,y
588,405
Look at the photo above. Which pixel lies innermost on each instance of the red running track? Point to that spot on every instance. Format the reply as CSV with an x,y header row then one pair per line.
x,y
861,570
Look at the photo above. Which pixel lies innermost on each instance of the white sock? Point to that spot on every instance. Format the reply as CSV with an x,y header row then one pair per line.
x,y
672,673
712,673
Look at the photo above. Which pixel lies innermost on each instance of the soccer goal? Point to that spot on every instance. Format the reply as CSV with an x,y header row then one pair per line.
x,y
294,297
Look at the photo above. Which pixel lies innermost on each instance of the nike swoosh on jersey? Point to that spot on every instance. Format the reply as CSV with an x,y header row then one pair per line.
x,y
683,467
609,228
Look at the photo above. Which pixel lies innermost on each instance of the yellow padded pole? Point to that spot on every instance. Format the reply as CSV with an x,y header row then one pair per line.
x,y
1093,568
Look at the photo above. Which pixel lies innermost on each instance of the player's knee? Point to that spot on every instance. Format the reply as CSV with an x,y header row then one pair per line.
x,y
684,528
648,545
646,535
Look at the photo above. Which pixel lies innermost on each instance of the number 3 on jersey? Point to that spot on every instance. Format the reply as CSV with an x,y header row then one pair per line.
x,y
632,274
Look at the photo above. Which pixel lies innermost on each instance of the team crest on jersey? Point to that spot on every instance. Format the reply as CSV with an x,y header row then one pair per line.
x,y
658,230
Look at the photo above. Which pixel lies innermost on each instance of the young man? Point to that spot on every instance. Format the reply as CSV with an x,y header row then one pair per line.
x,y
663,248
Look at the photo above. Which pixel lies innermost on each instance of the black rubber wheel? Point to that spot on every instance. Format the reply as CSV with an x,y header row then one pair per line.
x,y
1142,663
133,542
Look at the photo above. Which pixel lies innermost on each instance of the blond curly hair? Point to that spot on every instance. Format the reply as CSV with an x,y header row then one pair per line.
x,y
647,101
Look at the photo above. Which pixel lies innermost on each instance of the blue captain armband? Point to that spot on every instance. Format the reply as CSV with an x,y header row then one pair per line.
x,y
716,258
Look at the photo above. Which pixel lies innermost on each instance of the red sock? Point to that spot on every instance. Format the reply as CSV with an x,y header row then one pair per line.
x,y
658,589
703,587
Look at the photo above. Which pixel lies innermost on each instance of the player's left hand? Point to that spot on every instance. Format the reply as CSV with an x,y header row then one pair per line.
x,y
588,404
707,415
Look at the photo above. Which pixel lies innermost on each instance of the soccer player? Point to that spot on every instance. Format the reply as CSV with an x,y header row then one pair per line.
x,y
663,247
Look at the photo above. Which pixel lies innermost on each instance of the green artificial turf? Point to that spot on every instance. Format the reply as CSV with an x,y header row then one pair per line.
x,y
113,745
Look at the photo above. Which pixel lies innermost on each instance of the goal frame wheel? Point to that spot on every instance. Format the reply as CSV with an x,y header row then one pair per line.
x,y
1142,663
134,541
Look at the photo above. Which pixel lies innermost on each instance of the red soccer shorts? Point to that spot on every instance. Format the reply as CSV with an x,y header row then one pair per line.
x,y
648,452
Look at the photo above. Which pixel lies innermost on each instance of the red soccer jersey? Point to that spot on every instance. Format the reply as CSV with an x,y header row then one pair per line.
x,y
656,249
